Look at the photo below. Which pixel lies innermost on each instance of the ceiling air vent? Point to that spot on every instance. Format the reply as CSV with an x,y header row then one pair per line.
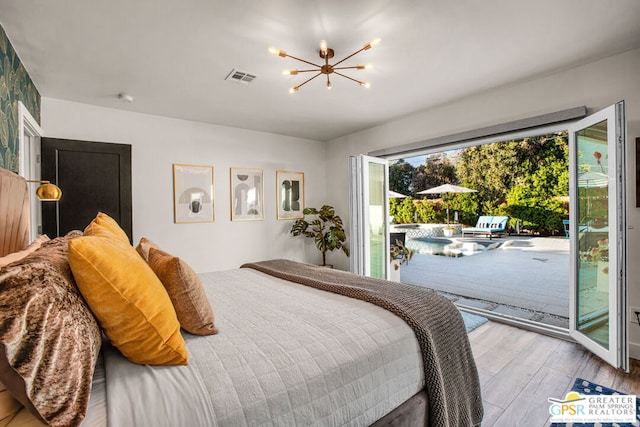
x,y
240,77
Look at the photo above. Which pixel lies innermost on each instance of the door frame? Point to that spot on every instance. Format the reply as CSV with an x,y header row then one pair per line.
x,y
29,134
617,353
360,259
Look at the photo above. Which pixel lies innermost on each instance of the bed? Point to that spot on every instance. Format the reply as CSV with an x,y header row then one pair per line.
x,y
289,344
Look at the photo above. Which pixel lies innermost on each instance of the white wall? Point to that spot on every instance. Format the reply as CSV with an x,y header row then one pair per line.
x,y
158,142
596,85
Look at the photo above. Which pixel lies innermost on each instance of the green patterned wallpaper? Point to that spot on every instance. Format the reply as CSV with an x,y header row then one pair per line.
x,y
15,85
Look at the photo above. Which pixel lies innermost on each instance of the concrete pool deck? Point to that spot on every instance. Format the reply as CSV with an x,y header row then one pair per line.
x,y
526,277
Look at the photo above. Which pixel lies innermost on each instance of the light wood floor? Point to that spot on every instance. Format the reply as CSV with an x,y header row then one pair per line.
x,y
520,369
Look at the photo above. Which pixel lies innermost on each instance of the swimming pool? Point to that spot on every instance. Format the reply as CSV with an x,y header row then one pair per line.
x,y
447,247
429,245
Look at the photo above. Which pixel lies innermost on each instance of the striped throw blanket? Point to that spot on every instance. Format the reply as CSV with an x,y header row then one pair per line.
x,y
451,377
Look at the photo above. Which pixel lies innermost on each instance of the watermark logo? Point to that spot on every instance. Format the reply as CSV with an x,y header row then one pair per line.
x,y
578,408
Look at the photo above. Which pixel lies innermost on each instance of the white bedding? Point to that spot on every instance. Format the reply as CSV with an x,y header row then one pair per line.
x,y
286,354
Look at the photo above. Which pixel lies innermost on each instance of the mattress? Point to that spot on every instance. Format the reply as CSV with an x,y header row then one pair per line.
x,y
285,354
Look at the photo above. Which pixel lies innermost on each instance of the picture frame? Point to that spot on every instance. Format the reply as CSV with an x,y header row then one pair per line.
x,y
289,195
247,194
193,193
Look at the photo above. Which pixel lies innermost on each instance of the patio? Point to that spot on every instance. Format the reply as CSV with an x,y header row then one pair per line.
x,y
525,277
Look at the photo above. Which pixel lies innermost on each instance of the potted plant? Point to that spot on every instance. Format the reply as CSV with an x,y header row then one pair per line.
x,y
325,228
448,230
398,254
598,256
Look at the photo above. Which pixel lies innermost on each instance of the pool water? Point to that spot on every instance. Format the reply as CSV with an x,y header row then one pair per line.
x,y
430,245
446,247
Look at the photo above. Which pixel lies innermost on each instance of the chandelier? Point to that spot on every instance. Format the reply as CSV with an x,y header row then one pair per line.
x,y
327,69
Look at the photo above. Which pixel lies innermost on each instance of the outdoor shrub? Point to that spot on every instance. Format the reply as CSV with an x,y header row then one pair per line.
x,y
467,208
394,205
426,212
536,214
405,212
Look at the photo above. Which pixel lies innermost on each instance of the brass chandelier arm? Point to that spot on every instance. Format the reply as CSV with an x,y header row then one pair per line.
x,y
353,54
355,67
302,60
360,82
307,81
306,71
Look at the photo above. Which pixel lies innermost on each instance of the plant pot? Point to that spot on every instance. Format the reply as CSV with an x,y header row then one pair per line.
x,y
447,232
602,277
394,270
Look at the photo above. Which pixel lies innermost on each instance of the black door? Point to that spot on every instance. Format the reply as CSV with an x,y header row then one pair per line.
x,y
94,177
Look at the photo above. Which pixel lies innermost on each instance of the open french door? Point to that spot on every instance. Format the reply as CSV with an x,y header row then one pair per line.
x,y
598,291
369,232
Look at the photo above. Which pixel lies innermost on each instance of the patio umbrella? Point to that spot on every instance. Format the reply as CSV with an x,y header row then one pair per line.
x,y
592,180
447,188
393,194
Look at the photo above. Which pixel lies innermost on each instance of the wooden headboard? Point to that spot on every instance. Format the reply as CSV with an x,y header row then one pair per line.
x,y
14,212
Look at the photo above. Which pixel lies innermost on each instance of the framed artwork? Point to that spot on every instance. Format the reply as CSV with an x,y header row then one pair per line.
x,y
192,194
247,198
290,194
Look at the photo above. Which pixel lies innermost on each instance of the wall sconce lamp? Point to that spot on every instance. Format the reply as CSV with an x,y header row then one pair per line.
x,y
47,192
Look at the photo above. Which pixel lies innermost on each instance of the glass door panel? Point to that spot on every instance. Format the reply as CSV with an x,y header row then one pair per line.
x,y
369,231
378,254
593,233
598,281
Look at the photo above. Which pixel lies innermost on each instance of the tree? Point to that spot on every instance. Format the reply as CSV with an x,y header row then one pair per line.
x,y
523,179
400,176
437,170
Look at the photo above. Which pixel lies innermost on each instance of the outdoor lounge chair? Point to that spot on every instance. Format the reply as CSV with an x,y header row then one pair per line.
x,y
565,224
488,226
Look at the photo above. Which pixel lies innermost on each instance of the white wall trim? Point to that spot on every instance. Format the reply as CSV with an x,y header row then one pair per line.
x,y
26,124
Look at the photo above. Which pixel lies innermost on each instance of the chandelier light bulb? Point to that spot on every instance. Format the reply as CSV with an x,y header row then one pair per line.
x,y
372,43
328,85
368,67
294,89
323,47
365,84
289,72
278,52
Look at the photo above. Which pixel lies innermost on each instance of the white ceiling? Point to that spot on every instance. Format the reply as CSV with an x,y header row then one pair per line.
x,y
173,56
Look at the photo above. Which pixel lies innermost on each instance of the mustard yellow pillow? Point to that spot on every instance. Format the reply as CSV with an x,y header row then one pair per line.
x,y
128,300
104,225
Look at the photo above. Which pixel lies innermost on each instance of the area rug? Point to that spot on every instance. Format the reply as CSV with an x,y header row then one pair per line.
x,y
472,321
585,387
